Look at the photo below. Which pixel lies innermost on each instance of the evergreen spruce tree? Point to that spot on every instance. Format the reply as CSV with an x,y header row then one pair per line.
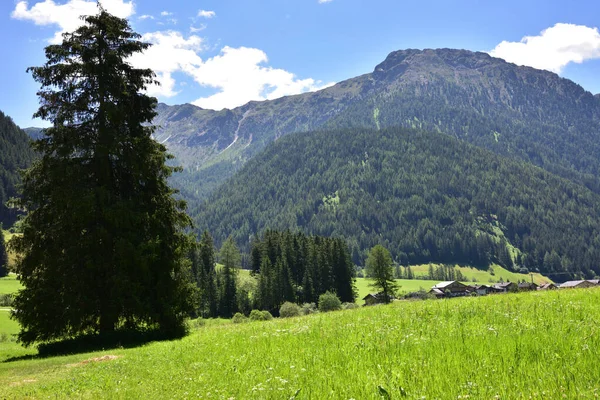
x,y
102,246
207,277
380,266
230,258
3,255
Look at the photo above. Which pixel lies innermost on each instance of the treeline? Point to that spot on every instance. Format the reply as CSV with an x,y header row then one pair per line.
x,y
289,267
15,154
299,268
425,196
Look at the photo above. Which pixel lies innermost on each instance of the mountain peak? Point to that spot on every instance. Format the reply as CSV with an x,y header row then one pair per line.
x,y
399,61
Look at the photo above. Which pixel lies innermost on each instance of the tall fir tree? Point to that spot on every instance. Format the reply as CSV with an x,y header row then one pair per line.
x,y
3,255
207,277
230,258
102,246
380,267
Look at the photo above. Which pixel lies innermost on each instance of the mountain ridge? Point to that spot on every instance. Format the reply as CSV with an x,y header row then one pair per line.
x,y
515,111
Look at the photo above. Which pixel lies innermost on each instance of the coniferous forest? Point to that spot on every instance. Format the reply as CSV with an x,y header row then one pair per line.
x,y
425,196
15,155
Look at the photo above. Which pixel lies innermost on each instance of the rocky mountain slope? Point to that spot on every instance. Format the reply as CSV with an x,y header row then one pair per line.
x,y
519,112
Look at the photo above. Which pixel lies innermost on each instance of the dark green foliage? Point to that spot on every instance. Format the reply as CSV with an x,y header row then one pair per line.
x,y
15,155
425,196
3,255
102,246
381,271
289,309
298,268
329,302
227,279
203,265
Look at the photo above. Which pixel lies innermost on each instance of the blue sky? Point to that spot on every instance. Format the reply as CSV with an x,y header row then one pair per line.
x,y
224,53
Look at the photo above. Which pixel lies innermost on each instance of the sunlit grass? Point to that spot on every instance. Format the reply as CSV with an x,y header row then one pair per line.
x,y
531,345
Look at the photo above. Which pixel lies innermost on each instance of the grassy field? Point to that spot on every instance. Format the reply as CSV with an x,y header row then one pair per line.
x,y
540,345
486,276
9,284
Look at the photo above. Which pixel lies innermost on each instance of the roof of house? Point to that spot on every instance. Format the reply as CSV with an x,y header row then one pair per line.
x,y
442,285
503,285
547,285
477,287
436,291
376,295
594,281
571,284
527,284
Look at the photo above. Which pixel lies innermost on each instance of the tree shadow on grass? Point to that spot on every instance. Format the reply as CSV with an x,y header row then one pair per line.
x,y
91,343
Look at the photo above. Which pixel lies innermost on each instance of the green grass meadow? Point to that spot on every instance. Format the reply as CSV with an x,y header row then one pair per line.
x,y
541,345
9,284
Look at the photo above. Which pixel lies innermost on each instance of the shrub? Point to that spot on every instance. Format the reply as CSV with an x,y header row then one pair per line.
x,y
196,323
239,318
6,300
349,306
308,308
329,302
267,315
257,315
289,310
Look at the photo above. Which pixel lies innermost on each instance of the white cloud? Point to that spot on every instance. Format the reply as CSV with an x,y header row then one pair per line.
x,y
239,76
166,13
170,53
206,14
66,16
198,29
325,1
145,16
554,48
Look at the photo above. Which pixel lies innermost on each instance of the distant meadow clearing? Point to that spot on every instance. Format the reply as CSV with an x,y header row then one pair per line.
x,y
541,345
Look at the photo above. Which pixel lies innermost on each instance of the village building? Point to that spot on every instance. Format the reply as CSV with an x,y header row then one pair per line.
x,y
527,286
595,281
482,290
504,287
375,298
576,285
547,286
451,289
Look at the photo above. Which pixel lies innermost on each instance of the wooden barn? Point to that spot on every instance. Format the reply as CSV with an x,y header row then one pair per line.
x,y
451,289
576,285
527,286
547,286
504,287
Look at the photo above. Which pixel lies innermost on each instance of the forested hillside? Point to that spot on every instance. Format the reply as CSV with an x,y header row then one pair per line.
x,y
518,112
15,154
425,196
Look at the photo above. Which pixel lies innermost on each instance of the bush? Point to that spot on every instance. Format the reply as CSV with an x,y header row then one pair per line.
x,y
267,315
257,315
289,310
349,306
196,323
6,300
239,318
329,302
308,308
